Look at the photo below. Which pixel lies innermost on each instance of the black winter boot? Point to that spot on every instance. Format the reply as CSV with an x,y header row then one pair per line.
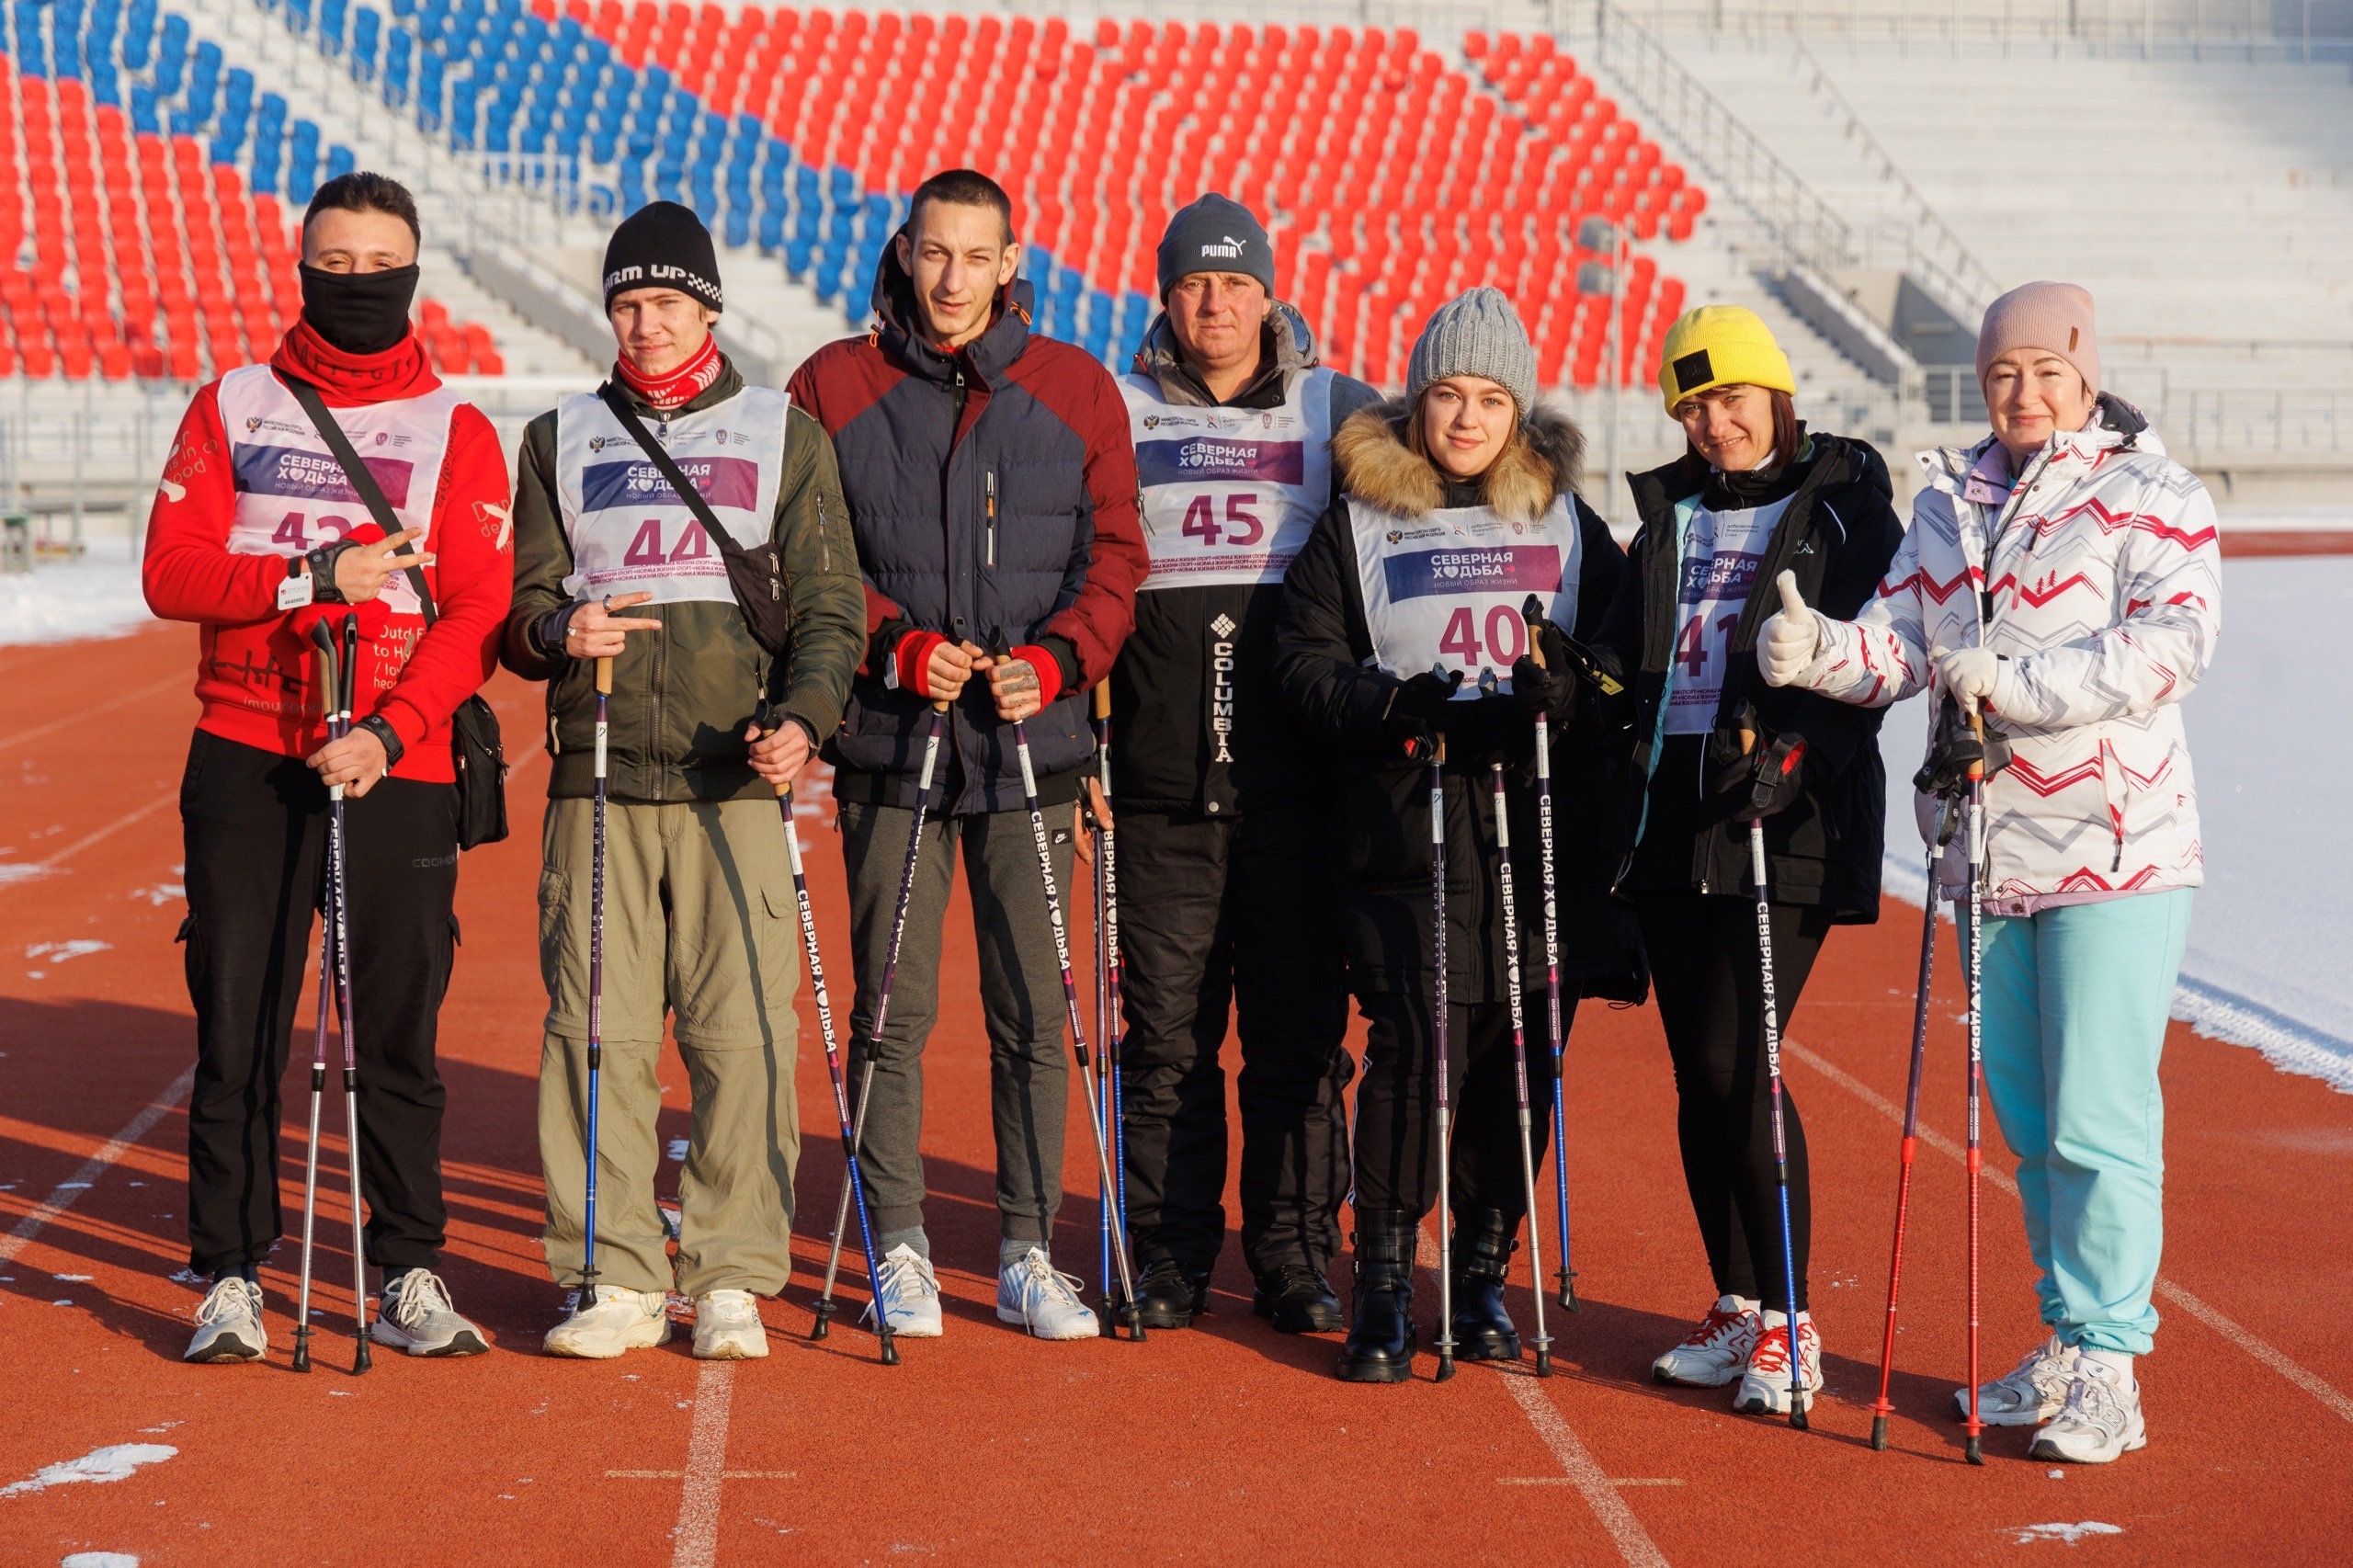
x,y
1171,1295
1483,1243
1380,1347
1298,1298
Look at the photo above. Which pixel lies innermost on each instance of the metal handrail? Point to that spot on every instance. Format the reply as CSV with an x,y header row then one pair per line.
x,y
2251,30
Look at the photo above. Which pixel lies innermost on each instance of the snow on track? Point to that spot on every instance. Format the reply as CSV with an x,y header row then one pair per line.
x,y
2266,966
116,1461
58,601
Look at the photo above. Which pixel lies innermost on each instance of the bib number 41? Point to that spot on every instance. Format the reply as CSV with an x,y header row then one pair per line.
x,y
1242,526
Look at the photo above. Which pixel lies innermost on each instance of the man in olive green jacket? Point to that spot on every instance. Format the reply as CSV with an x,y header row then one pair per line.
x,y
706,726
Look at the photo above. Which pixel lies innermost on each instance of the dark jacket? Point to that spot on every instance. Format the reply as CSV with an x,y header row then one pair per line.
x,y
1166,696
682,696
925,439
1381,828
1838,535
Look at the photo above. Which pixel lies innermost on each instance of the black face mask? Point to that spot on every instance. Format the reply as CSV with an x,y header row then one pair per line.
x,y
359,313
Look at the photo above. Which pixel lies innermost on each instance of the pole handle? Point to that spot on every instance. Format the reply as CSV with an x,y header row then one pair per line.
x,y
1103,698
605,677
1977,728
1530,612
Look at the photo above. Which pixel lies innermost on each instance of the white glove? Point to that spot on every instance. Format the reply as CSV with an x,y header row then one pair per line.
x,y
1968,674
1789,638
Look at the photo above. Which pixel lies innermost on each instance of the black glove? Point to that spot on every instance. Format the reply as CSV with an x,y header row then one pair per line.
x,y
1764,780
1539,689
1419,706
1954,750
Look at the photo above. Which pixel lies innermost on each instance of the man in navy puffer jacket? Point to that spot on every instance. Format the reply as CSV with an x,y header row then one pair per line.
x,y
992,489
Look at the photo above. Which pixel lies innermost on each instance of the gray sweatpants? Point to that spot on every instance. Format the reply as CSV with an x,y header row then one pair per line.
x,y
1021,1002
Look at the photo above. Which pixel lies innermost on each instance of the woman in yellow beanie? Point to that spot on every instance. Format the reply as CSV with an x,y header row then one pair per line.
x,y
1753,495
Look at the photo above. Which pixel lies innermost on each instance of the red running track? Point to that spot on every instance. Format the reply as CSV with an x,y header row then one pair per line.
x,y
1223,1443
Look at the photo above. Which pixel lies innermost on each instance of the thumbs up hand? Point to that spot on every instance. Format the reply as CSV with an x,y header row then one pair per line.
x,y
1789,638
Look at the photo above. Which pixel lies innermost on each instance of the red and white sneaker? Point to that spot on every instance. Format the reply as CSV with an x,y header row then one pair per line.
x,y
1717,1350
1765,1385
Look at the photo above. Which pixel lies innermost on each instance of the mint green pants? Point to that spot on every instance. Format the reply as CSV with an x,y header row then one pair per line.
x,y
2076,1001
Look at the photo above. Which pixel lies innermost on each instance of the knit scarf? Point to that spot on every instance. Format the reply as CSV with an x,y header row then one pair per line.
x,y
674,389
345,379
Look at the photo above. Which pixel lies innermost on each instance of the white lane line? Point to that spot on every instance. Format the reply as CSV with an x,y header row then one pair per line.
x,y
698,1532
63,1196
2271,1357
60,856
1633,1542
24,736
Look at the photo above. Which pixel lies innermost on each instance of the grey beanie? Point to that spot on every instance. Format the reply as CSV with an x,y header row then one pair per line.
x,y
1216,234
1476,334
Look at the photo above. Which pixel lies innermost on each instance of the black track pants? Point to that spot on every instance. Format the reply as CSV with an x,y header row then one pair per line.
x,y
1217,914
1397,1104
256,826
1711,997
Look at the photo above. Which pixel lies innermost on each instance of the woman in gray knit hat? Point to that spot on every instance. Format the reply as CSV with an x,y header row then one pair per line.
x,y
1402,625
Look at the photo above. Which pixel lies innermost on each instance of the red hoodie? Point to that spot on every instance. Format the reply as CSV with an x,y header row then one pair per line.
x,y
254,673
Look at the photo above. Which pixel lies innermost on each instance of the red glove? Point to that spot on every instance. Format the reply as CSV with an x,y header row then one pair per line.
x,y
913,656
1049,668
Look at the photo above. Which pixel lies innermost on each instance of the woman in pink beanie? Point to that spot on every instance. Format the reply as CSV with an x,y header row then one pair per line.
x,y
2062,577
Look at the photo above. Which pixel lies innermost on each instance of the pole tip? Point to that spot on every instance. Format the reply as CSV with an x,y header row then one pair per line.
x,y
302,1349
1879,1434
1977,1450
1796,1419
362,1361
1544,1363
890,1350
1445,1367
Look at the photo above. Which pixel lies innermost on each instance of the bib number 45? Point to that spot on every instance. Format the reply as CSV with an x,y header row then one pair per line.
x,y
1243,526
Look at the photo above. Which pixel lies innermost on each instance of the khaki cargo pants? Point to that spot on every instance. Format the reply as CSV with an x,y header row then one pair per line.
x,y
700,922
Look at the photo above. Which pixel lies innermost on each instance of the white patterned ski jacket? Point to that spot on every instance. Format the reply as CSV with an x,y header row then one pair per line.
x,y
2097,580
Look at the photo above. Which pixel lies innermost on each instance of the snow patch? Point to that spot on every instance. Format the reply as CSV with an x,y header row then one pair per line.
x,y
21,874
59,952
58,601
98,1560
116,1461
2027,1535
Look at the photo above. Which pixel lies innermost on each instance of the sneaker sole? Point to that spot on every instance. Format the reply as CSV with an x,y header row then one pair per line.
x,y
225,1352
1660,1374
1760,1405
2044,1448
1093,1330
909,1331
617,1351
463,1342
731,1351
2027,1417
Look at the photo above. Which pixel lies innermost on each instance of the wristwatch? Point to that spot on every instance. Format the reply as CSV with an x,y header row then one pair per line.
x,y
322,562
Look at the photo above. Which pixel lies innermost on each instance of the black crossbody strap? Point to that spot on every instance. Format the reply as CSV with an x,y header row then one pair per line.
x,y
356,472
614,400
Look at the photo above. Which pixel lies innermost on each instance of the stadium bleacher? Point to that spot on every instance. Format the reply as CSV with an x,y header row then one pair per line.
x,y
161,232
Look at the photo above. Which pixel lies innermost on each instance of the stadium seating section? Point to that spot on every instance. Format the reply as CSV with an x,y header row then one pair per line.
x,y
159,226
162,233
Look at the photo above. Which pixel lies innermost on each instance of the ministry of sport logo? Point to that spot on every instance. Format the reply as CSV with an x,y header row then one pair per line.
x,y
1230,249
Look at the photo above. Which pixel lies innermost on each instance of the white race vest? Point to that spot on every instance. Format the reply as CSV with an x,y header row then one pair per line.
x,y
630,533
1446,588
292,494
1229,494
1720,552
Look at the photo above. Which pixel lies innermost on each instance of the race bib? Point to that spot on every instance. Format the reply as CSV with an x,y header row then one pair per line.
x,y
1229,494
292,496
1446,589
629,531
1721,553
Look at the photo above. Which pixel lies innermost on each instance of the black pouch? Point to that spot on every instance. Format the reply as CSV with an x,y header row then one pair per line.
x,y
755,576
475,746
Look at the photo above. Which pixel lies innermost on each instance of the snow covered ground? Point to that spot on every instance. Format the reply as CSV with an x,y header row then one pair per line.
x,y
59,601
2269,946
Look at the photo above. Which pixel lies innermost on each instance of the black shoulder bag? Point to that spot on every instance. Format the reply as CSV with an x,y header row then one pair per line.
x,y
474,744
754,576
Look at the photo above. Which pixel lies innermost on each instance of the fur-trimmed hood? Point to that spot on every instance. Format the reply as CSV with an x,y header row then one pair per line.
x,y
1376,466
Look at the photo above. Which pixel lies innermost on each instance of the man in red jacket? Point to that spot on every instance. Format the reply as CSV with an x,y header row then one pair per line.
x,y
256,536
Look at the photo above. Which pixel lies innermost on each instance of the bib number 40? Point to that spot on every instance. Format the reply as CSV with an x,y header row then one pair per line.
x,y
1243,526
1507,636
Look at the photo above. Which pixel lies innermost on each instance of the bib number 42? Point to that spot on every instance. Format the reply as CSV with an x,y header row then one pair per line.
x,y
1242,526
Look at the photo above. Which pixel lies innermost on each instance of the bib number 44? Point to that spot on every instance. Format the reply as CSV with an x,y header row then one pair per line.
x,y
646,549
1242,526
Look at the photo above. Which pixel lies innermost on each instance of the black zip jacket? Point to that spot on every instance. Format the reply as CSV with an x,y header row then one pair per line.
x,y
1201,656
1838,535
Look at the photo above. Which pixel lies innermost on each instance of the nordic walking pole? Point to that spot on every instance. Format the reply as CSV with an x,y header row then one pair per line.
x,y
1543,1341
1773,1073
1113,1033
1531,613
339,881
855,1183
1100,1086
1000,649
825,1306
1883,1409
329,686
1438,944
1975,1427
595,983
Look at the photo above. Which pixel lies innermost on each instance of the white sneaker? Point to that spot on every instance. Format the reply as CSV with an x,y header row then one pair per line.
x,y
1717,1351
2029,1394
1765,1384
909,1293
2101,1421
1045,1302
611,1321
414,1316
228,1322
728,1327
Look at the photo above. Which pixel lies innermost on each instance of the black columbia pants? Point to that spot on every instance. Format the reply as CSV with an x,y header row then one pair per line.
x,y
256,826
1218,914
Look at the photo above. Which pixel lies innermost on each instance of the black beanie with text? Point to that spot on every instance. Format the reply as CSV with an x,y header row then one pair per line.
x,y
662,246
